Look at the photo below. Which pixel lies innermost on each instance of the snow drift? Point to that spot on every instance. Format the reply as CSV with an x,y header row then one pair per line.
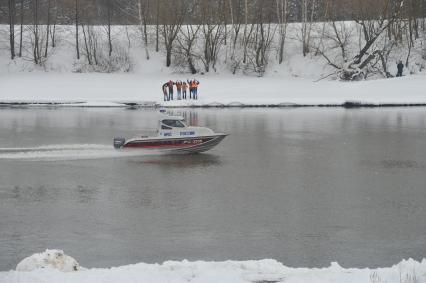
x,y
119,90
55,266
55,259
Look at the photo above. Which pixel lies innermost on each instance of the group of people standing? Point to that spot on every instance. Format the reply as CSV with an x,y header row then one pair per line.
x,y
181,89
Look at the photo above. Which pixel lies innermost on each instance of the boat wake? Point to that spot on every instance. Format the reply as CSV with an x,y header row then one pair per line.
x,y
69,152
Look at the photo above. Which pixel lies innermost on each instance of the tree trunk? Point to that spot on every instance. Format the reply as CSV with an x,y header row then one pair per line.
x,y
191,64
231,11
168,56
76,30
52,33
22,28
36,52
157,26
109,28
47,29
12,28
245,31
142,26
282,21
89,57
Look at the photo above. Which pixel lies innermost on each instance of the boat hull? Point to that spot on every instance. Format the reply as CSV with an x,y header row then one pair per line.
x,y
177,145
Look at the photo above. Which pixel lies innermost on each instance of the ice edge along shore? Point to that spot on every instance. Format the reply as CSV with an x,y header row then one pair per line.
x,y
56,266
254,271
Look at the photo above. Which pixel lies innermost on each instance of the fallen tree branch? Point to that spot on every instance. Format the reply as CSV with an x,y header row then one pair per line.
x,y
322,78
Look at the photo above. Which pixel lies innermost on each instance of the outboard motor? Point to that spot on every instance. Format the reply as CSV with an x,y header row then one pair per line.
x,y
119,142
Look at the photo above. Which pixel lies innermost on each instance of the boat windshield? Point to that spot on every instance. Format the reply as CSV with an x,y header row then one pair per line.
x,y
174,123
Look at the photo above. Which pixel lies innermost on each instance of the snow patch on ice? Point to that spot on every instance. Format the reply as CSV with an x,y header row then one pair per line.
x,y
55,259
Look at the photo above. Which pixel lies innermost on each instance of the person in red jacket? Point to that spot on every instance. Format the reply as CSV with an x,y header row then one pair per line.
x,y
195,84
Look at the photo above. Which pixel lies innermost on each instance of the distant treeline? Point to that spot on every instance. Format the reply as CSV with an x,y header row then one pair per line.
x,y
194,33
125,12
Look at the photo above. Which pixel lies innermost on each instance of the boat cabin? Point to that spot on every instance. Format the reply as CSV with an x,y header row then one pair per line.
x,y
172,122
174,127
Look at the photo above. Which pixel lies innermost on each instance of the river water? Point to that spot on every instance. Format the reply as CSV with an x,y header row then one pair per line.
x,y
304,186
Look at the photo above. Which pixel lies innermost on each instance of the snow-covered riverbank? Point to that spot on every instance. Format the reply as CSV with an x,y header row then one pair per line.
x,y
119,90
407,271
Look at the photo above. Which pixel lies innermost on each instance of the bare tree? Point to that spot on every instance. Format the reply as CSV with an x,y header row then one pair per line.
x,y
308,9
109,7
12,14
186,39
157,26
76,8
236,25
213,35
47,28
90,44
336,35
325,19
172,24
282,15
53,29
246,35
36,51
372,30
263,37
143,12
21,34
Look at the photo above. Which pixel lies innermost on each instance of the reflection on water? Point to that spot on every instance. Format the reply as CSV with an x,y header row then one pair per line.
x,y
403,164
179,161
396,164
191,117
304,186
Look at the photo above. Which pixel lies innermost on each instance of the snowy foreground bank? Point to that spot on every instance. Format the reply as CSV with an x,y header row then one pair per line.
x,y
58,267
123,90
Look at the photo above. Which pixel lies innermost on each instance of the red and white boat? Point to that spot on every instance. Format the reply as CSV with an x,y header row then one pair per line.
x,y
174,136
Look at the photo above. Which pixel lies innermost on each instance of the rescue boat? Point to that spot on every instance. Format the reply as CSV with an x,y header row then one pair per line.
x,y
174,136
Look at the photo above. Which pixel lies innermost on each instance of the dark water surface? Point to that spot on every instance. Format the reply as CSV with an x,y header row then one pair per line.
x,y
303,186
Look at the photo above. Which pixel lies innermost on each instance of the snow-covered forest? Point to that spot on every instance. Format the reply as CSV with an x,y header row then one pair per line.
x,y
329,39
